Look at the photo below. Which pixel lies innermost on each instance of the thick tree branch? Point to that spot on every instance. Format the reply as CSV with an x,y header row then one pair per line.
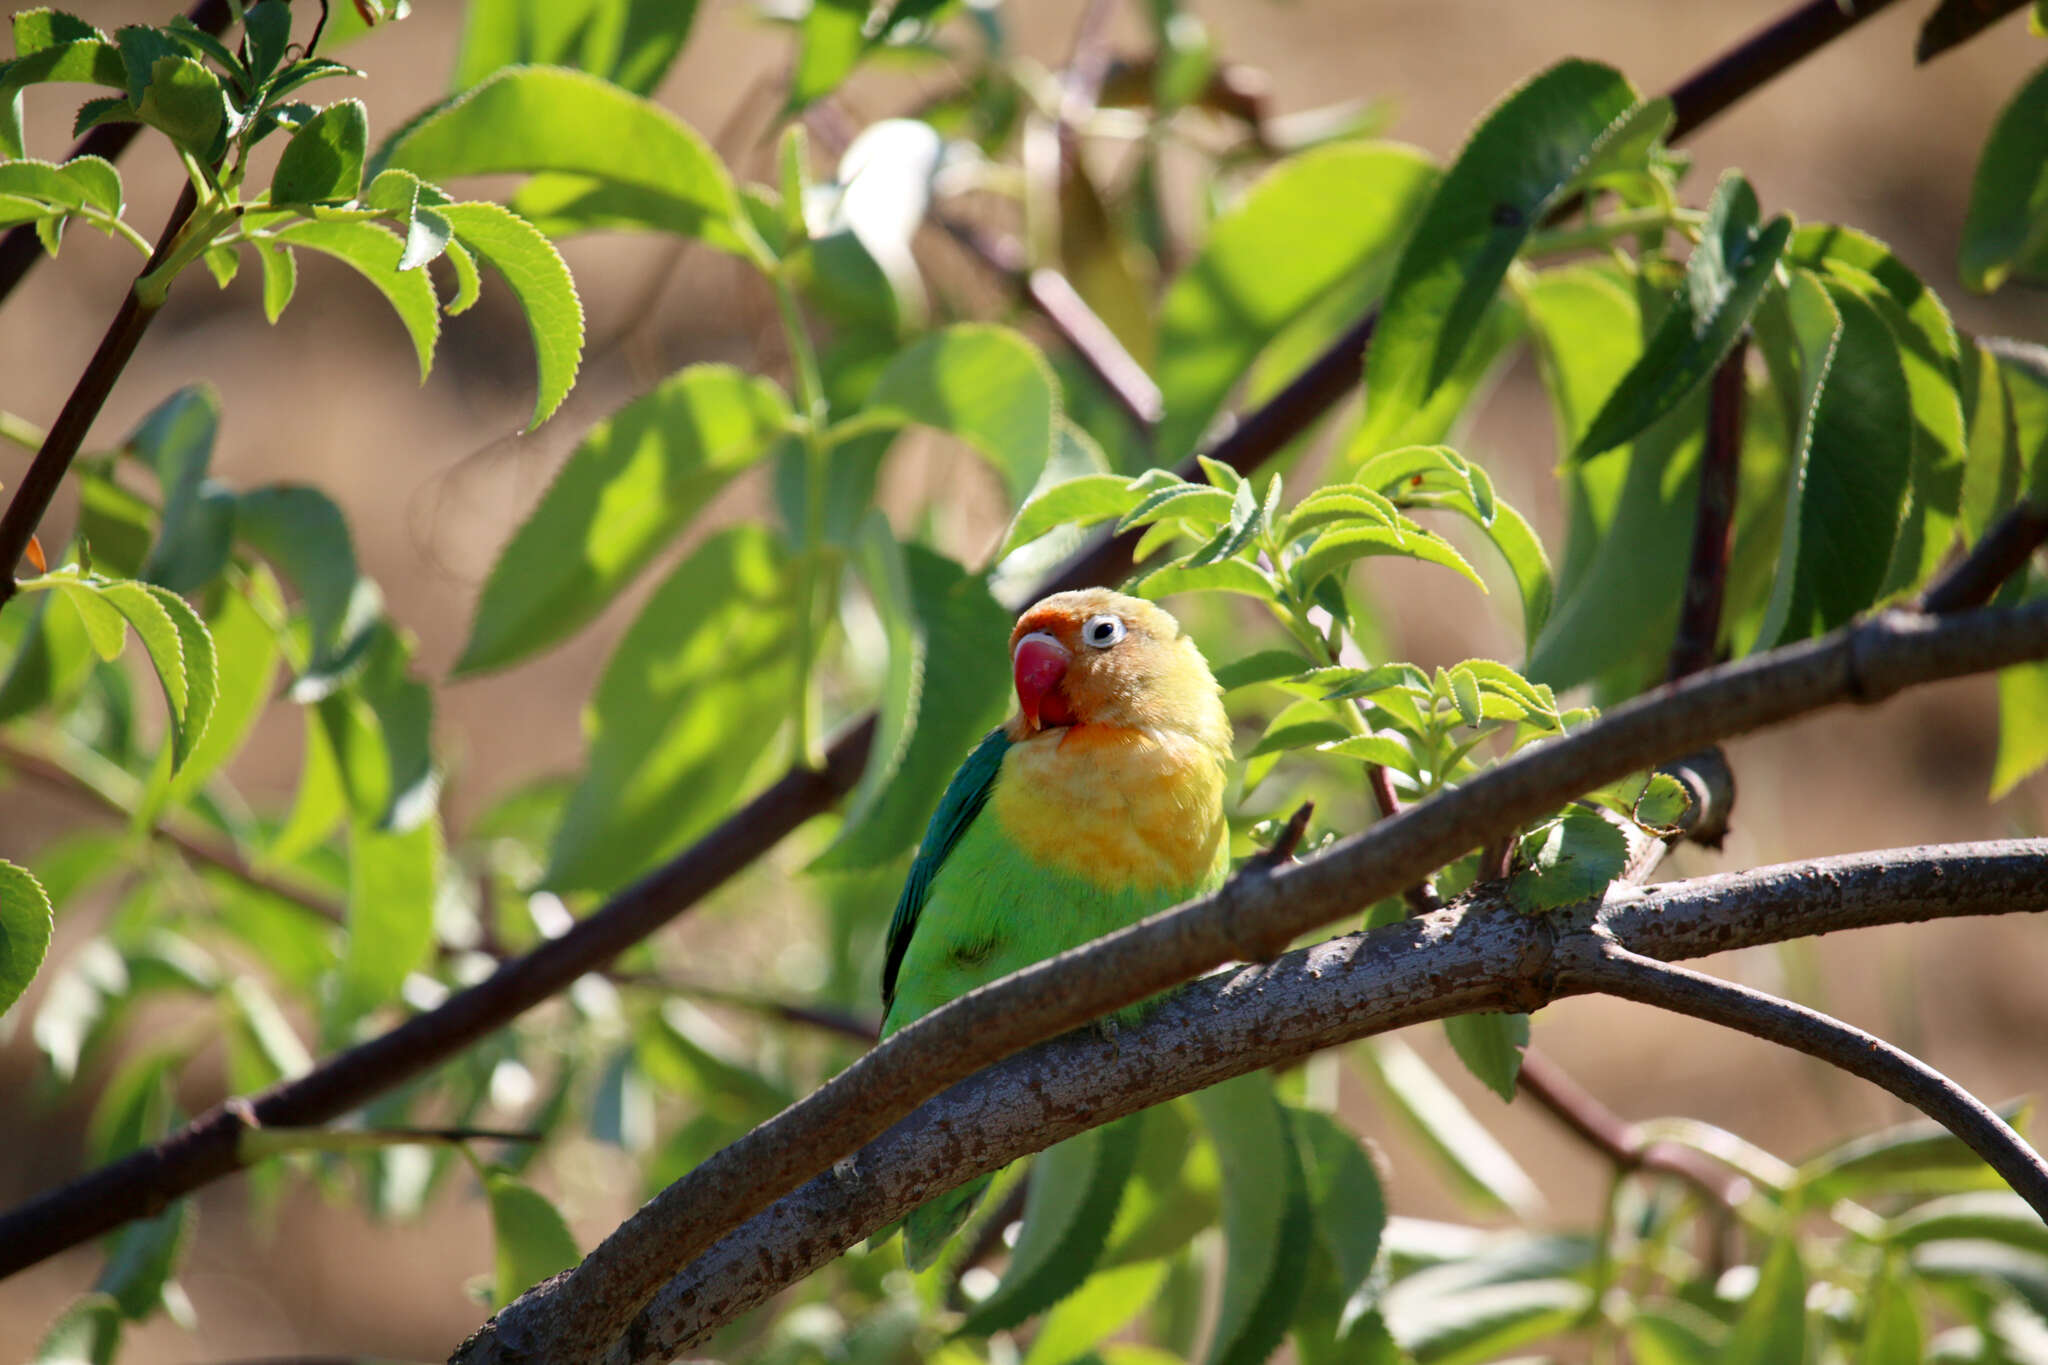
x,y
46,472
1478,954
579,1314
1617,971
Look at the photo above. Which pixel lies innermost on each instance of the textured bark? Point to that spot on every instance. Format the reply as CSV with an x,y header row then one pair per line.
x,y
1475,955
578,1315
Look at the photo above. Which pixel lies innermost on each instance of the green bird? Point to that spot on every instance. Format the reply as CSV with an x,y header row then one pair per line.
x,y
1098,803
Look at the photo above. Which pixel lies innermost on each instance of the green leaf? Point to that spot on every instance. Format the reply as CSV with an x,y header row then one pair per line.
x,y
1482,1323
262,1046
1587,327
25,926
2005,232
36,29
374,253
1724,280
173,636
2022,726
1192,502
1232,575
392,879
1271,256
631,43
1268,665
246,651
1384,750
280,275
135,1108
880,561
983,383
1267,1228
88,1331
1521,160
1099,1309
1569,859
321,801
1983,1215
1174,1191
533,1239
1490,1046
1892,1331
1930,352
1674,1334
1852,471
1076,1188
1350,1207
1920,1155
829,44
182,100
1334,550
1491,344
144,1257
1483,1169
966,663
701,680
306,538
614,159
267,27
1771,1329
323,163
176,441
633,483
541,283
82,59
1080,501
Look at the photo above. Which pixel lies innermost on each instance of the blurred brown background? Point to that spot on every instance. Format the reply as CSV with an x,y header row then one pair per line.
x,y
434,477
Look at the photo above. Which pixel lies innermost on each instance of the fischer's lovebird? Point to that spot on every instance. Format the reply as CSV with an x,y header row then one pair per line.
x,y
1099,802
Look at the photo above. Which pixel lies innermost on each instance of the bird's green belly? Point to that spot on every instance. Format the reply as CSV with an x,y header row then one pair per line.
x,y
992,911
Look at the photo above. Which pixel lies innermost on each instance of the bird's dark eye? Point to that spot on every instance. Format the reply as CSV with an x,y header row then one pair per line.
x,y
1102,631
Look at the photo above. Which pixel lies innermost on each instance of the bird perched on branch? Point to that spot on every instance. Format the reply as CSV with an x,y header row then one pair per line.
x,y
1098,803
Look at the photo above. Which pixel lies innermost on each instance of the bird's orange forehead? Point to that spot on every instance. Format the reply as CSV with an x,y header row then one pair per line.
x,y
1063,614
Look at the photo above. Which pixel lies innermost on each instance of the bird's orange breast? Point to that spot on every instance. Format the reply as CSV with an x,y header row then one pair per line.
x,y
1129,809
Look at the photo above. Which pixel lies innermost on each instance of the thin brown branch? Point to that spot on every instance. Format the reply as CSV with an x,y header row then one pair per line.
x,y
1697,642
206,1148
1478,954
850,1026
1761,57
2002,552
1087,335
198,847
20,248
1252,918
46,472
1617,971
1617,1139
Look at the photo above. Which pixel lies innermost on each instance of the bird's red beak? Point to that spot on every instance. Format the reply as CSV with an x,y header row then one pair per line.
x,y
1040,662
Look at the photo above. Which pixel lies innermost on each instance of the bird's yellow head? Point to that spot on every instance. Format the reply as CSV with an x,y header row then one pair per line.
x,y
1097,657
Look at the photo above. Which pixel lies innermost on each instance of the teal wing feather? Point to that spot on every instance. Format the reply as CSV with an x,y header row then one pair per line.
x,y
964,798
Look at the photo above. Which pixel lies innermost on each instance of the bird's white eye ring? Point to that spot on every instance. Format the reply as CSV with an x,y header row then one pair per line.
x,y
1102,631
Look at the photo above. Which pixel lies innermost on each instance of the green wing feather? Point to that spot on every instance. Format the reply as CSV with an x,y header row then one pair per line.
x,y
964,798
